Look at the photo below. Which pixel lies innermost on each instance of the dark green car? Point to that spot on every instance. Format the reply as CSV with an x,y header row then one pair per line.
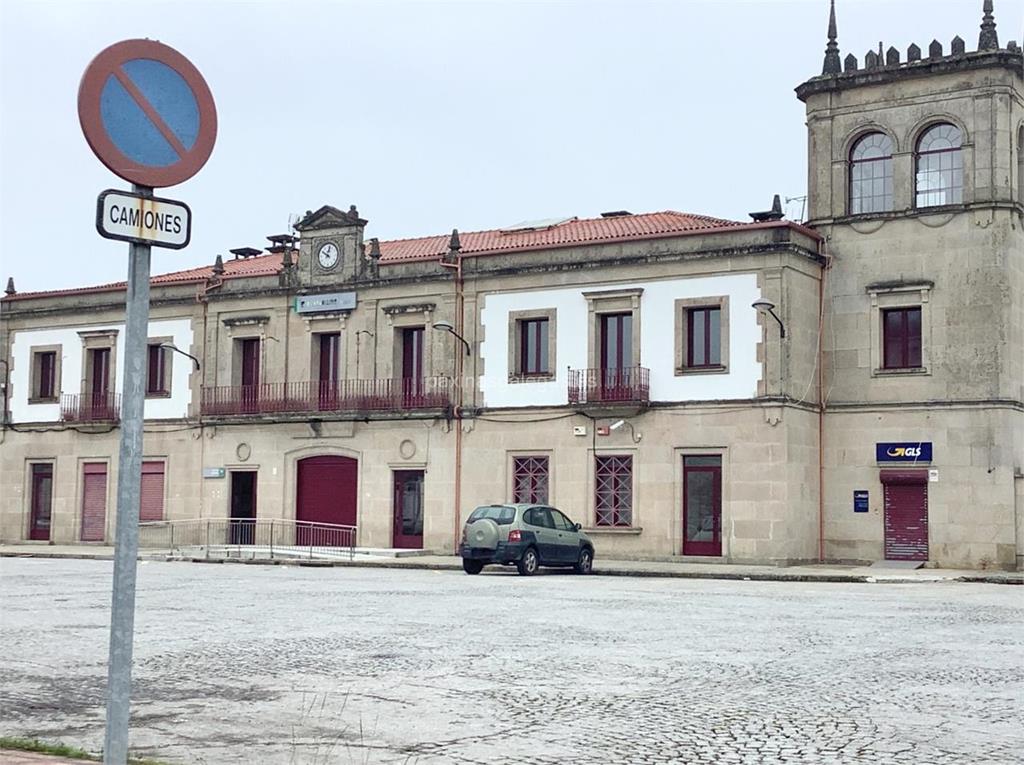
x,y
528,536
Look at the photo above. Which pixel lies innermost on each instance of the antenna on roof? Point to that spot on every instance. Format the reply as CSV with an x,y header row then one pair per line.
x,y
293,218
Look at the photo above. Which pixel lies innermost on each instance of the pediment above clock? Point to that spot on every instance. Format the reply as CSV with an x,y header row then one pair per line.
x,y
328,217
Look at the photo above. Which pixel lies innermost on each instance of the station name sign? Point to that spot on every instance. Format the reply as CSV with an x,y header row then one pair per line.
x,y
904,451
334,301
131,217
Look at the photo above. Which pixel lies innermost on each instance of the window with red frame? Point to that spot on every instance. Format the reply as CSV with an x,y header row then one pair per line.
x,y
901,333
704,337
613,490
533,347
46,375
156,370
530,480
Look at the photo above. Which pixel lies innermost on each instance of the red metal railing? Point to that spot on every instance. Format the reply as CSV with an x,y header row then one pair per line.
x,y
598,386
90,407
340,396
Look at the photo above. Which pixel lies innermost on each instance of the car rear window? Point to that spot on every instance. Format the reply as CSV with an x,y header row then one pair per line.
x,y
500,514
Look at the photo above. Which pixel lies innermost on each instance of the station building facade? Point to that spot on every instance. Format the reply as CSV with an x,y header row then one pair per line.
x,y
845,389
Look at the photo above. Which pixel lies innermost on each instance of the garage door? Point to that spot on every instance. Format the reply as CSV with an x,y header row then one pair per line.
x,y
94,501
906,514
327,490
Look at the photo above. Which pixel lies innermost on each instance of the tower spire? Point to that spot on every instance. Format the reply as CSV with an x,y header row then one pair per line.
x,y
988,39
832,63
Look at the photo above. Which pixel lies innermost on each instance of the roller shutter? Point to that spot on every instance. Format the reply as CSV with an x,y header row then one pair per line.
x,y
94,501
906,514
151,507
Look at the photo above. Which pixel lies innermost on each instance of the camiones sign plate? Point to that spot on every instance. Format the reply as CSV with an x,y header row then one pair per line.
x,y
144,220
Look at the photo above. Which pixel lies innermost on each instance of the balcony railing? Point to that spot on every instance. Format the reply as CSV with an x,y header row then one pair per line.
x,y
90,407
605,386
400,395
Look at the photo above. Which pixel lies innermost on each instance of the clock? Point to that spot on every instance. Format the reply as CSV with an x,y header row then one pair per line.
x,y
328,255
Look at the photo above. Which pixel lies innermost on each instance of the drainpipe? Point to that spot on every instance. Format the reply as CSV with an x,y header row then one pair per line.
x,y
453,260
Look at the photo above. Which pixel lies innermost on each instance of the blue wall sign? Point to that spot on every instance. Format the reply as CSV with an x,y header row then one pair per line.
x,y
904,451
860,501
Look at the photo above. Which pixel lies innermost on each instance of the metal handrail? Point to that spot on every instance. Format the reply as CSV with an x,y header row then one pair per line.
x,y
250,537
624,384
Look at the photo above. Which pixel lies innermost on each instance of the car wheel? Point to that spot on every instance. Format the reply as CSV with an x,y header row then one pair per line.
x,y
472,566
529,563
586,562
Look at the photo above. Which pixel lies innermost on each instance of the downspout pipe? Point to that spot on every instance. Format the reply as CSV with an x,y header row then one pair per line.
x,y
453,260
821,403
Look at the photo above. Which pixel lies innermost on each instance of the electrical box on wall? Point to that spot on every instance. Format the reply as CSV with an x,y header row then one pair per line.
x,y
579,430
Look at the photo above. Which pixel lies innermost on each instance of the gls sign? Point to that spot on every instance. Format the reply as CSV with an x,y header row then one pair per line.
x,y
912,451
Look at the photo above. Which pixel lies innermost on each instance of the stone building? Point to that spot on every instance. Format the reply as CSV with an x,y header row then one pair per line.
x,y
845,389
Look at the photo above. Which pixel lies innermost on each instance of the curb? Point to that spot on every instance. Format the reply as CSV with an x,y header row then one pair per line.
x,y
1010,578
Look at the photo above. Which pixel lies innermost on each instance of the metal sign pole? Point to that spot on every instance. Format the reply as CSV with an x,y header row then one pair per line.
x,y
129,485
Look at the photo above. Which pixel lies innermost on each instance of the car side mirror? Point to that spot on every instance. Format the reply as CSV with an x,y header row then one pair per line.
x,y
578,526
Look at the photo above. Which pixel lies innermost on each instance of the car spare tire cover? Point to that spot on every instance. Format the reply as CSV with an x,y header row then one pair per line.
x,y
483,533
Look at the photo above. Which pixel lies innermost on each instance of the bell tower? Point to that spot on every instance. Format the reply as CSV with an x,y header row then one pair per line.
x,y
916,182
331,250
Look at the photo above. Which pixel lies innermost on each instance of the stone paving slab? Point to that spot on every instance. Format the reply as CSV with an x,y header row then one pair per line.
x,y
688,570
284,665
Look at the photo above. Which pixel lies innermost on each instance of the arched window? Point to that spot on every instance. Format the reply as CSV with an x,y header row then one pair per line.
x,y
871,174
940,166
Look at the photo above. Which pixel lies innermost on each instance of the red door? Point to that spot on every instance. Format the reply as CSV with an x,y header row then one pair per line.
x,y
616,356
100,404
906,514
326,493
94,501
42,502
412,366
327,398
250,374
702,505
408,507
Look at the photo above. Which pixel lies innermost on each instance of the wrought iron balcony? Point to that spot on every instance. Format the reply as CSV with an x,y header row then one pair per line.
x,y
90,407
355,396
610,386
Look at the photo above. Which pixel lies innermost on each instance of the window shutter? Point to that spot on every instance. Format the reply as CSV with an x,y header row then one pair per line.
x,y
151,508
94,501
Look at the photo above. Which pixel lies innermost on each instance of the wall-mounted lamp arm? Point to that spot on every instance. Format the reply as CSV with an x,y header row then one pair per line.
x,y
767,306
176,349
446,327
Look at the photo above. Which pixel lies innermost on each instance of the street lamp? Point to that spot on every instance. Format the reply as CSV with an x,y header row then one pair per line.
x,y
445,326
176,349
767,306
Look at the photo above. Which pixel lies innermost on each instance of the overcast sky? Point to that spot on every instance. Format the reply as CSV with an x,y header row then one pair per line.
x,y
430,115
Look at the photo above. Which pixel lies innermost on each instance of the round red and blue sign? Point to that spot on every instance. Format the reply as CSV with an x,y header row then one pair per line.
x,y
147,113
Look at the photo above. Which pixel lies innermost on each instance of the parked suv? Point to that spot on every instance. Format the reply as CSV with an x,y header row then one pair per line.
x,y
529,536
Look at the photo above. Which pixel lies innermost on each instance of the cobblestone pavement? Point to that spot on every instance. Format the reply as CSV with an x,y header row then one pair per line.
x,y
261,664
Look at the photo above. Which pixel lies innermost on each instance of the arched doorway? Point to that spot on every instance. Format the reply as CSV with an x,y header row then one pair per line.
x,y
327,490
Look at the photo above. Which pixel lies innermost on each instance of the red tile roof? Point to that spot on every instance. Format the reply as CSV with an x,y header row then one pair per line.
x,y
566,234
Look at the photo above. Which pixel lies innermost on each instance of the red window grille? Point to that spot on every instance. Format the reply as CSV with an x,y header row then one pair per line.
x,y
901,330
613,492
533,347
156,372
46,382
530,480
704,337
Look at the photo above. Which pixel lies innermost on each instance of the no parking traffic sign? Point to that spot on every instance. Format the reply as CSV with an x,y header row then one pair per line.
x,y
147,113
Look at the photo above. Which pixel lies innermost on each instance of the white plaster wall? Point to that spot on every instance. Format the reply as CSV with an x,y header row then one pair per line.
x,y
176,405
657,340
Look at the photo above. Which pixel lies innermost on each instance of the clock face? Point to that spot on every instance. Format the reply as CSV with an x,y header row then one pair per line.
x,y
328,255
